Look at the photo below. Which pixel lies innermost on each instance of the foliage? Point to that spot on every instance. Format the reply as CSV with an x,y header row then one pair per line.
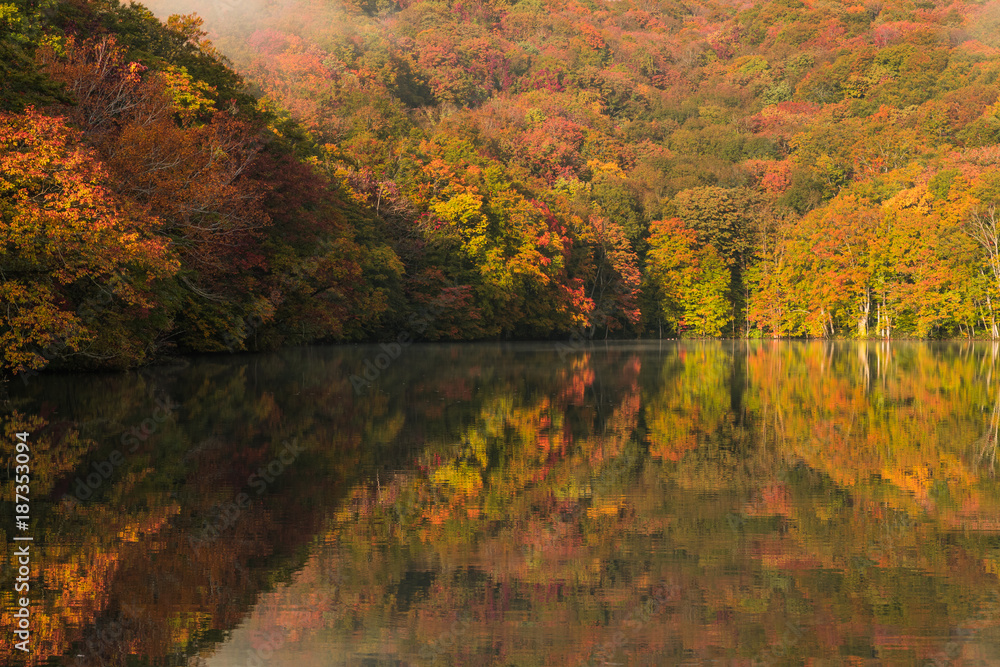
x,y
67,240
691,279
549,496
344,168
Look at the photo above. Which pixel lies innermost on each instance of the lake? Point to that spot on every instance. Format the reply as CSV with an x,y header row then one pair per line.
x,y
633,503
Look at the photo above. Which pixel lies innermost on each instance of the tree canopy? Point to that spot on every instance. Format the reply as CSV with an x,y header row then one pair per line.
x,y
542,168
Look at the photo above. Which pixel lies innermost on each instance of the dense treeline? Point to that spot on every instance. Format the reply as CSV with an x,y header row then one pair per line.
x,y
472,170
149,202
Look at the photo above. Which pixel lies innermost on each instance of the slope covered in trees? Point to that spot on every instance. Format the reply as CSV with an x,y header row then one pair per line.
x,y
149,202
495,170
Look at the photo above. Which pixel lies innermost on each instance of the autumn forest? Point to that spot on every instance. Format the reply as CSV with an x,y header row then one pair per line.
x,y
588,190
245,176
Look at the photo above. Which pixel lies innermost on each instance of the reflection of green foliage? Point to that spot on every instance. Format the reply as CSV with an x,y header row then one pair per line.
x,y
835,477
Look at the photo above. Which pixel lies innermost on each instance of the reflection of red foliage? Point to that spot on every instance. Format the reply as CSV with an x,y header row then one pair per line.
x,y
572,392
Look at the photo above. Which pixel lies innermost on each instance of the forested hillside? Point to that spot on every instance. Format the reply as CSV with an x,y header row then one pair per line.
x,y
484,170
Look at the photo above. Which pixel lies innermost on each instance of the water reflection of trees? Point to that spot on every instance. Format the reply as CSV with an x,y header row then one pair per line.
x,y
773,483
774,462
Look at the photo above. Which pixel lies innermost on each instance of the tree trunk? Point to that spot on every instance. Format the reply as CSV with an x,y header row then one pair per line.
x,y
865,367
865,308
994,332
985,229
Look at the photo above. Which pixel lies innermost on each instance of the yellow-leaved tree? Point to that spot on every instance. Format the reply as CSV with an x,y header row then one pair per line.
x,y
68,247
690,278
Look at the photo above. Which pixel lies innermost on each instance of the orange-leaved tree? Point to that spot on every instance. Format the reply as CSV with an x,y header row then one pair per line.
x,y
67,241
169,149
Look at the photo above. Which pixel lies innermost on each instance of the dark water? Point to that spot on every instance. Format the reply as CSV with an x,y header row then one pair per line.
x,y
635,504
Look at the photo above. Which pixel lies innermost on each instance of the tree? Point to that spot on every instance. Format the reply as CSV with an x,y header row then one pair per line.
x,y
67,241
692,280
984,227
188,167
614,285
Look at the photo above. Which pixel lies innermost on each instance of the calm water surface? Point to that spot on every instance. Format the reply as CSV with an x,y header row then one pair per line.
x,y
531,504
